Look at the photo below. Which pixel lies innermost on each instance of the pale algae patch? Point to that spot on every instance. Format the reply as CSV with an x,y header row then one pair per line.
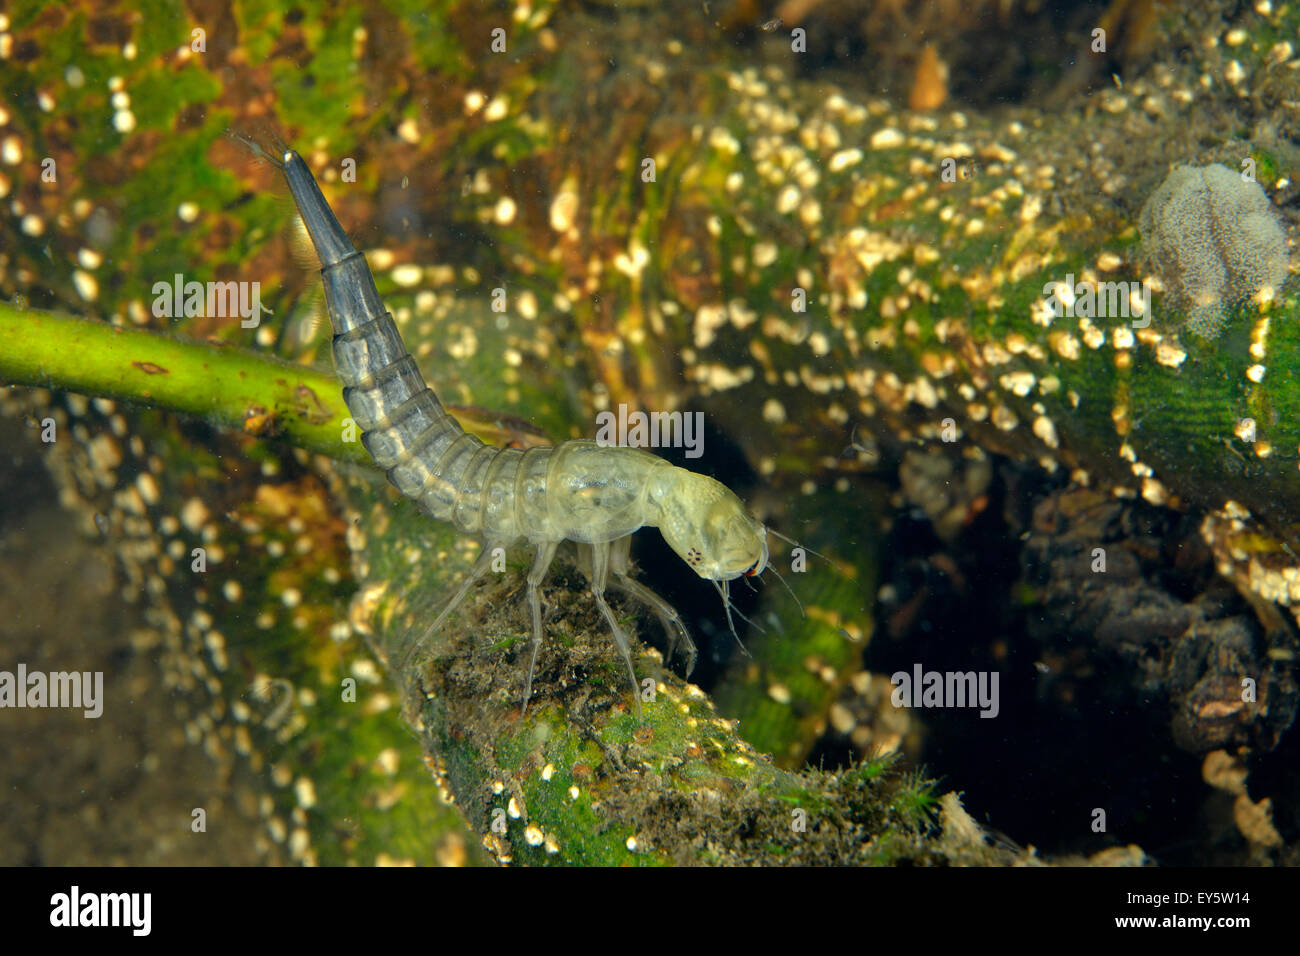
x,y
1214,239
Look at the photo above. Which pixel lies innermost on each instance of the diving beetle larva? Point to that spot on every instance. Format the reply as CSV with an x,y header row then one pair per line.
x,y
582,491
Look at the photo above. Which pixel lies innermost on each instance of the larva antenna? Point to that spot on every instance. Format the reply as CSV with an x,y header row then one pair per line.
x,y
796,544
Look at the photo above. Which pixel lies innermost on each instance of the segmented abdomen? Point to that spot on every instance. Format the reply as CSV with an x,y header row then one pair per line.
x,y
450,474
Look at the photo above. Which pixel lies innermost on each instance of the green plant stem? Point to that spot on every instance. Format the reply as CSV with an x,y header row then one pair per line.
x,y
222,384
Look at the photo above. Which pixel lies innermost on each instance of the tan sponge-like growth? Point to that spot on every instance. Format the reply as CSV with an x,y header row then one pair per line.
x,y
1213,238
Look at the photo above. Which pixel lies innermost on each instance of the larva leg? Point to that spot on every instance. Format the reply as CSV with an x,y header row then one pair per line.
x,y
672,622
481,566
599,576
541,562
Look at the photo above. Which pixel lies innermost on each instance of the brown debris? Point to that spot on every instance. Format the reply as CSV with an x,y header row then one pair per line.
x,y
1255,821
1225,772
930,83
1206,655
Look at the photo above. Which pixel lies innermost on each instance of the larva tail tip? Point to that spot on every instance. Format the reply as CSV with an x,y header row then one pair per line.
x,y
263,142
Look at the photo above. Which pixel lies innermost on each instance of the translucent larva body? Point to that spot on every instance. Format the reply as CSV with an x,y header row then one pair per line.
x,y
579,491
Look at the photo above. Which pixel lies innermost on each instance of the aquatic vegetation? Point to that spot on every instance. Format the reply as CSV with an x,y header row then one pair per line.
x,y
1213,238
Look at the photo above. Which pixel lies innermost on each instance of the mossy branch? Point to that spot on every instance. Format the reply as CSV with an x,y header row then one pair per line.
x,y
580,778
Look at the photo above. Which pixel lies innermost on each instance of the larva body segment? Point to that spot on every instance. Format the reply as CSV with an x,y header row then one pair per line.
x,y
580,491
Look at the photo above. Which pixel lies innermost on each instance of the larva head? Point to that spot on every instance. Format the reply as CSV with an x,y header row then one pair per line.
x,y
710,528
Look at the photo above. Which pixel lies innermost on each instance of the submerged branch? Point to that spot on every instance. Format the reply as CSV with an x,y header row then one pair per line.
x,y
222,384
219,383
